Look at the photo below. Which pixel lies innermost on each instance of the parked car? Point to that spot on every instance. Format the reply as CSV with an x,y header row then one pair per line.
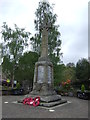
x,y
83,95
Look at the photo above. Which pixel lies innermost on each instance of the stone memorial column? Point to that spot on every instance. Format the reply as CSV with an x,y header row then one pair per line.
x,y
43,84
43,75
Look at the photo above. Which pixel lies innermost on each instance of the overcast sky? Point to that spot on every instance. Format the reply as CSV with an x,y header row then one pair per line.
x,y
72,18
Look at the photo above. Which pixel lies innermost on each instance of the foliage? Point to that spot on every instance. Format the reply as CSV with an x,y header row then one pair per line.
x,y
62,73
70,65
66,85
82,88
14,41
58,74
65,88
25,68
69,73
17,85
82,70
7,67
1,53
45,10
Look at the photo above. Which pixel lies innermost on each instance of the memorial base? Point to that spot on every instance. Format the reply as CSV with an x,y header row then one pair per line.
x,y
47,101
53,103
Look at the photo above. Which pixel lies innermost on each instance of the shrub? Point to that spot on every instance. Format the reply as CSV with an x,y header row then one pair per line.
x,y
82,88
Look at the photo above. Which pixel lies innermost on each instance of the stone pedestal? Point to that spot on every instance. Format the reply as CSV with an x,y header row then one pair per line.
x,y
47,100
43,85
43,78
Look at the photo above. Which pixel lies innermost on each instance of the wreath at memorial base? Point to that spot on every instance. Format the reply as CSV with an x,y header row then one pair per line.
x,y
32,102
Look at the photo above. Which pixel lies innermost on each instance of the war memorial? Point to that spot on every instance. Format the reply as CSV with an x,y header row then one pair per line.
x,y
43,84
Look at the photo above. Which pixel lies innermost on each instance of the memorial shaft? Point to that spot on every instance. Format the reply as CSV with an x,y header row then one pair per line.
x,y
44,45
43,75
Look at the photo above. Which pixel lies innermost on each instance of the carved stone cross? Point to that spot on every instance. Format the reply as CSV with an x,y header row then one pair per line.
x,y
44,45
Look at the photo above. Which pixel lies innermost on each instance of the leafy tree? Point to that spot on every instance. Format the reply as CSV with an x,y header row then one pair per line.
x,y
1,53
70,65
69,73
82,69
7,67
25,68
46,10
14,43
58,74
63,73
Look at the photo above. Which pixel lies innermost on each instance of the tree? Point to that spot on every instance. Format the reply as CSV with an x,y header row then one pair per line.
x,y
7,67
64,73
69,73
45,10
70,65
25,68
82,70
1,53
58,74
14,43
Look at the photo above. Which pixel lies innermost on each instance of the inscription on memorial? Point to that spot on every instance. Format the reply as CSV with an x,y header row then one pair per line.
x,y
49,74
40,74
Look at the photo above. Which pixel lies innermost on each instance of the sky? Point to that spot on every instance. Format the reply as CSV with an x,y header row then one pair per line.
x,y
72,17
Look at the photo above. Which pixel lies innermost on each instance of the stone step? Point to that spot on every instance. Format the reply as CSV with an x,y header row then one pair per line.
x,y
50,98
51,104
47,101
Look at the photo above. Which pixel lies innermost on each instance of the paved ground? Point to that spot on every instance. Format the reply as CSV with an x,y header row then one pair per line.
x,y
75,108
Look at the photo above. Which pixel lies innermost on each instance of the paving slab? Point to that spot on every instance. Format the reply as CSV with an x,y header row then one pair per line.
x,y
75,108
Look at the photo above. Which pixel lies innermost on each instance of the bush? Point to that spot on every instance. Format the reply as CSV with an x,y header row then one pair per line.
x,y
82,88
18,85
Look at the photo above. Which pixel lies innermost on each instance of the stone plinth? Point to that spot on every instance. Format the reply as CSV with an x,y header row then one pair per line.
x,y
47,101
43,85
43,78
